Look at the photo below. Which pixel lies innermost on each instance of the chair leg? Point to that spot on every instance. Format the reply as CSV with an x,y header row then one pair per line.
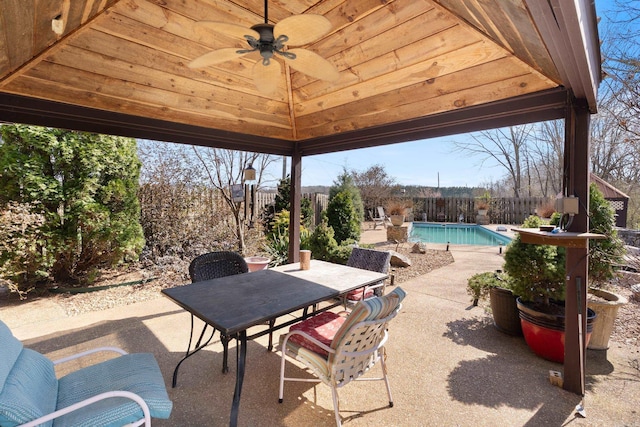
x,y
336,406
383,365
282,363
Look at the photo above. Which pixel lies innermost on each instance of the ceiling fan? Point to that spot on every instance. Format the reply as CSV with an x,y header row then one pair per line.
x,y
270,40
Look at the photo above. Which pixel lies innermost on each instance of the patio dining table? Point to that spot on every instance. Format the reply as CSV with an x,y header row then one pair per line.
x,y
233,304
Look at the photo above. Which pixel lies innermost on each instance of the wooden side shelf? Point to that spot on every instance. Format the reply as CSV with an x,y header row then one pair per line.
x,y
564,238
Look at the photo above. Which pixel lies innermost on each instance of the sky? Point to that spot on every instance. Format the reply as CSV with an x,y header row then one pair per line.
x,y
429,162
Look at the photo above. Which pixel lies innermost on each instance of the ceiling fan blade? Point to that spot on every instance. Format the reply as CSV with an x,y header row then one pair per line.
x,y
314,65
231,30
302,29
267,77
215,57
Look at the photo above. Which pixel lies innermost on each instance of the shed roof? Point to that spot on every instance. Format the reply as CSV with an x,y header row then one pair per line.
x,y
607,190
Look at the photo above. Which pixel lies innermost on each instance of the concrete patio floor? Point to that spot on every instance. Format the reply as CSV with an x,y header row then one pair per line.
x,y
448,365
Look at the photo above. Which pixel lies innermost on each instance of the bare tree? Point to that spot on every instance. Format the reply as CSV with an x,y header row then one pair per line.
x,y
547,153
224,169
375,186
507,146
621,51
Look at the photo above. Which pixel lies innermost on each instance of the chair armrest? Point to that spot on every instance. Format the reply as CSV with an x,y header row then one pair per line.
x,y
94,399
88,352
308,337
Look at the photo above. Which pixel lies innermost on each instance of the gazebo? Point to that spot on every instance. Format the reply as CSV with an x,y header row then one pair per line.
x,y
408,70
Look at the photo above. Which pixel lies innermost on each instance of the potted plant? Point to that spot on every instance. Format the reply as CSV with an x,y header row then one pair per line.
x,y
604,254
504,310
482,207
397,210
537,277
482,203
478,286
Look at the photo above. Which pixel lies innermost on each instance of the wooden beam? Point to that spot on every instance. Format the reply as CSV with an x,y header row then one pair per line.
x,y
535,107
20,109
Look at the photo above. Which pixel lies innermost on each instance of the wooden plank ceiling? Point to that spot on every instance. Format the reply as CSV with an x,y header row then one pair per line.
x,y
398,60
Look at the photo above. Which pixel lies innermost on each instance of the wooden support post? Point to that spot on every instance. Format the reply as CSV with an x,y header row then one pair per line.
x,y
295,194
576,184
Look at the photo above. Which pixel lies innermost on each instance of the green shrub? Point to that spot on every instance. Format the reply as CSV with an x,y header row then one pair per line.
x,y
85,187
604,254
282,202
479,285
536,271
277,243
343,218
322,244
24,261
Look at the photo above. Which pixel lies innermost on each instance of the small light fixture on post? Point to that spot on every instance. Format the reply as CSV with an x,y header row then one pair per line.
x,y
250,173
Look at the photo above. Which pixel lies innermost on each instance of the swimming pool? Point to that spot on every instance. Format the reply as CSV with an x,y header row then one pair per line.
x,y
456,234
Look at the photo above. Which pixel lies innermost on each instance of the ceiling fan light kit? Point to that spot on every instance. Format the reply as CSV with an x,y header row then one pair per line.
x,y
268,39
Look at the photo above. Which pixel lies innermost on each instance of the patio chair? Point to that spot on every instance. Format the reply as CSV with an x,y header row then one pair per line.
x,y
128,389
381,218
338,349
209,266
372,260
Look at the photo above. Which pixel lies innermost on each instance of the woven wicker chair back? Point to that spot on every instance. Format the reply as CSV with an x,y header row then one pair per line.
x,y
370,259
216,264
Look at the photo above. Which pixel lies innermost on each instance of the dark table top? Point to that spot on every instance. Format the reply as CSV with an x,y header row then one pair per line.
x,y
235,303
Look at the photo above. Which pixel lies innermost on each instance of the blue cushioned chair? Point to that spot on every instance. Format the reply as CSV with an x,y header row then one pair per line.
x,y
128,389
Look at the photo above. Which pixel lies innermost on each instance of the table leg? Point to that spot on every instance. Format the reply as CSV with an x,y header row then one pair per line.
x,y
241,358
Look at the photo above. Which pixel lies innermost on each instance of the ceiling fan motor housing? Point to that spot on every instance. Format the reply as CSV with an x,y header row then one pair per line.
x,y
268,44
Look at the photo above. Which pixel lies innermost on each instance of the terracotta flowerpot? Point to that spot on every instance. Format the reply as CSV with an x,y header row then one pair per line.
x,y
505,311
256,263
544,333
606,312
397,220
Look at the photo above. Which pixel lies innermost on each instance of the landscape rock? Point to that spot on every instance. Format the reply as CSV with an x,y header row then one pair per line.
x,y
399,260
419,248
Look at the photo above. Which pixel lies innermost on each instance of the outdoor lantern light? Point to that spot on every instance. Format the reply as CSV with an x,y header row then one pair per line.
x,y
250,173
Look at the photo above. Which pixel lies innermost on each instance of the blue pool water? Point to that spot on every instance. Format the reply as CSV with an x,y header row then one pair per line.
x,y
456,234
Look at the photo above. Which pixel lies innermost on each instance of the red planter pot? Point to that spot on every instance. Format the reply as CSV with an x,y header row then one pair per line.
x,y
544,333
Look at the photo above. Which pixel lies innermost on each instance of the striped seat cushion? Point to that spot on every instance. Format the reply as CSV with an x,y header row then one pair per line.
x,y
322,327
368,309
358,294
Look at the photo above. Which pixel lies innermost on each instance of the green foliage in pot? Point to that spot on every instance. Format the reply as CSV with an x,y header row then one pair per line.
x,y
536,271
479,285
604,254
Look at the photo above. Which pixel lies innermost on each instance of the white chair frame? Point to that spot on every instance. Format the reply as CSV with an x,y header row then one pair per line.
x,y
345,364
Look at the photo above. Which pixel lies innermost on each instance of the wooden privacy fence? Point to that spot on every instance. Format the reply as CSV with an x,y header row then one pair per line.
x,y
502,210
506,210
319,203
